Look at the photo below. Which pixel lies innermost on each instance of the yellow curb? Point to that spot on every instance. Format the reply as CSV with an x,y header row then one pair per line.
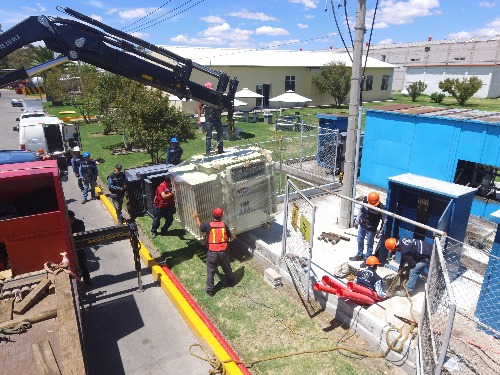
x,y
190,316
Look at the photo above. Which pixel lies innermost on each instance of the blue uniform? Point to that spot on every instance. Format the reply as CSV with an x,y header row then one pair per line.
x,y
174,155
369,278
117,183
88,171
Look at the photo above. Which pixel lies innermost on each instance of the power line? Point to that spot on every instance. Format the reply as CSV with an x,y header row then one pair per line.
x,y
147,15
338,29
347,21
370,38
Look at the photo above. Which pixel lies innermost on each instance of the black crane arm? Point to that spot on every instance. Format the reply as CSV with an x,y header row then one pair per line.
x,y
115,51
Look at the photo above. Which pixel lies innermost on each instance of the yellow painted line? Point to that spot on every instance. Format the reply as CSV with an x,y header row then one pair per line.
x,y
190,316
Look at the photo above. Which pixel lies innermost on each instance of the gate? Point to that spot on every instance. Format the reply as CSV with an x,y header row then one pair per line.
x,y
298,234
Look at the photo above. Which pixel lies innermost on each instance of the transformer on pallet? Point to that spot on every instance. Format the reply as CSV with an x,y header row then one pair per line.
x,y
241,182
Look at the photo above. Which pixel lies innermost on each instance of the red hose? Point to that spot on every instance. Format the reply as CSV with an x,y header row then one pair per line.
x,y
325,288
364,290
205,320
359,298
333,283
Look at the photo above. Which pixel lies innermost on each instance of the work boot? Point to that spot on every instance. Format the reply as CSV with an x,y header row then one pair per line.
x,y
84,201
153,235
363,265
210,293
400,293
356,258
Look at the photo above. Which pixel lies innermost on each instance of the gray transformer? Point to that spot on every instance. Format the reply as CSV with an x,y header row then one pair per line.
x,y
241,182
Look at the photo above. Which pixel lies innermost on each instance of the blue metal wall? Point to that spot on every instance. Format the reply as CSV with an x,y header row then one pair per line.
x,y
430,146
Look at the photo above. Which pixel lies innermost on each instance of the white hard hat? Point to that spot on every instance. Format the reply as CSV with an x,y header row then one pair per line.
x,y
76,148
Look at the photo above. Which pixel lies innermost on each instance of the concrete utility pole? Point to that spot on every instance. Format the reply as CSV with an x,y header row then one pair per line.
x,y
350,173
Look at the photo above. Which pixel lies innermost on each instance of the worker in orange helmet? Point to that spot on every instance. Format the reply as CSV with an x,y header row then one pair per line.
x,y
218,237
367,221
370,279
415,257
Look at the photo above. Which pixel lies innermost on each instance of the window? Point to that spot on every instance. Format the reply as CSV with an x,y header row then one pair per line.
x,y
485,178
427,49
459,58
415,59
385,82
290,83
368,83
383,57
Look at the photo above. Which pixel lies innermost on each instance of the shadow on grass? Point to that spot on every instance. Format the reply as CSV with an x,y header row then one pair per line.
x,y
245,135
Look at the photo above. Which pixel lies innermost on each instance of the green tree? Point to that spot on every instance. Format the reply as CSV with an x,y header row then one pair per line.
x,y
415,89
461,90
55,87
41,54
334,79
104,96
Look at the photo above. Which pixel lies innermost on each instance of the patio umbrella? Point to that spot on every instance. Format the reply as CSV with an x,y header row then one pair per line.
x,y
290,97
246,93
238,103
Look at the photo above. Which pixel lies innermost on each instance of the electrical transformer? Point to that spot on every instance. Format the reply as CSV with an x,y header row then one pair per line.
x,y
241,182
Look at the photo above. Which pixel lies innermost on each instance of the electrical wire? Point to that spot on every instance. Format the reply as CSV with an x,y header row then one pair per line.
x,y
370,38
338,29
144,26
347,22
147,15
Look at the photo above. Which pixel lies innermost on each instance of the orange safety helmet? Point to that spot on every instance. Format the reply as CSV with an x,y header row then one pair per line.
x,y
390,244
218,212
372,261
373,198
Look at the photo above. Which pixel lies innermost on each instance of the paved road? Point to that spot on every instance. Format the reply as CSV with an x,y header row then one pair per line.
x,y
125,332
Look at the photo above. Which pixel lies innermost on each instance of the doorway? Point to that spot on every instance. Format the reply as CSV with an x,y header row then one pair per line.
x,y
263,89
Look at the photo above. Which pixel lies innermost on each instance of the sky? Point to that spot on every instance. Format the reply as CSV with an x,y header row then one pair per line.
x,y
274,24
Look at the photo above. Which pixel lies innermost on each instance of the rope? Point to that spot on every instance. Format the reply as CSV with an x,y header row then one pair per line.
x,y
17,329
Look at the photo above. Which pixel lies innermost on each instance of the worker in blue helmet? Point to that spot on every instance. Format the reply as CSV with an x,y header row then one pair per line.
x,y
174,152
88,172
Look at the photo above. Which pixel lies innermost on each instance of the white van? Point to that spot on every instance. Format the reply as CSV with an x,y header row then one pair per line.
x,y
47,135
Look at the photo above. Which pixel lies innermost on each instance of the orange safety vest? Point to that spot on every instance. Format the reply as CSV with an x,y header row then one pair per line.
x,y
217,237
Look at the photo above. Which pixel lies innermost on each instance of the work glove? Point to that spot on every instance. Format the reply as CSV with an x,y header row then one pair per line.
x,y
356,224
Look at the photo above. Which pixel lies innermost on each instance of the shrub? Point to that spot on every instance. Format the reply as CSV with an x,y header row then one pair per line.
x,y
461,90
437,97
415,89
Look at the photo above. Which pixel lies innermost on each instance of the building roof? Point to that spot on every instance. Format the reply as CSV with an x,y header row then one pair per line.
x,y
271,58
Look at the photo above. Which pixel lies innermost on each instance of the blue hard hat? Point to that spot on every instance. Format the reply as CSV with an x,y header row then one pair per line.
x,y
174,140
86,154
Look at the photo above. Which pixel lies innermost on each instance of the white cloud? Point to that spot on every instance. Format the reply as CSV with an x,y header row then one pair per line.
x,y
140,35
41,8
134,13
309,16
394,12
486,4
111,11
29,9
218,35
252,15
212,19
302,26
268,30
96,17
386,41
306,3
96,4
492,29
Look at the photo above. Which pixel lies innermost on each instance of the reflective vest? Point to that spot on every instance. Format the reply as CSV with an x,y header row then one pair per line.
x,y
159,201
217,237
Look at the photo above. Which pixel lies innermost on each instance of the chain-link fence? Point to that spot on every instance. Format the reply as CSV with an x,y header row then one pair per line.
x,y
438,312
298,234
305,151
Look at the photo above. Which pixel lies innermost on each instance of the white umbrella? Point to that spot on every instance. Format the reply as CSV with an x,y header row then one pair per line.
x,y
173,98
238,103
246,93
290,97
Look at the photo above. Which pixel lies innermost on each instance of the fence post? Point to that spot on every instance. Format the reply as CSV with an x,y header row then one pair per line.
x,y
285,218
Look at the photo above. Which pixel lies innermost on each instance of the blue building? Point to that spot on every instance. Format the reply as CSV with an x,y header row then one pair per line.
x,y
454,145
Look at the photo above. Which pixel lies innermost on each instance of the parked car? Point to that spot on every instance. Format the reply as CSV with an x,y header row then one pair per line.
x,y
16,102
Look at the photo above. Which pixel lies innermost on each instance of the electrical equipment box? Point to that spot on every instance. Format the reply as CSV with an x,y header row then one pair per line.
x,y
241,182
438,204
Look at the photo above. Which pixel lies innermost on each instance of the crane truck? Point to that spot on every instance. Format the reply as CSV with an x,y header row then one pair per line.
x,y
35,232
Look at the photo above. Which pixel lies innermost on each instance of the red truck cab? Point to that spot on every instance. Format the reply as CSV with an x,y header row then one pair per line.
x,y
34,226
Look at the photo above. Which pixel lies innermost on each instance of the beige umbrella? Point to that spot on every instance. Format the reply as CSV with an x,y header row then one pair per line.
x,y
246,93
290,97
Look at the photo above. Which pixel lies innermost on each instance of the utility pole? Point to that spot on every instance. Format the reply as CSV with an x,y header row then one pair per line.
x,y
346,208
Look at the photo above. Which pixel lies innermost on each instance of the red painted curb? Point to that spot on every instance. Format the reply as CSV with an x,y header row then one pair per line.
x,y
205,319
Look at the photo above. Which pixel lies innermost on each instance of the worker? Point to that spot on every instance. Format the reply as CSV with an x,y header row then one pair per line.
x,y
212,121
415,256
117,184
78,226
163,206
370,279
75,165
367,221
174,152
88,171
218,236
